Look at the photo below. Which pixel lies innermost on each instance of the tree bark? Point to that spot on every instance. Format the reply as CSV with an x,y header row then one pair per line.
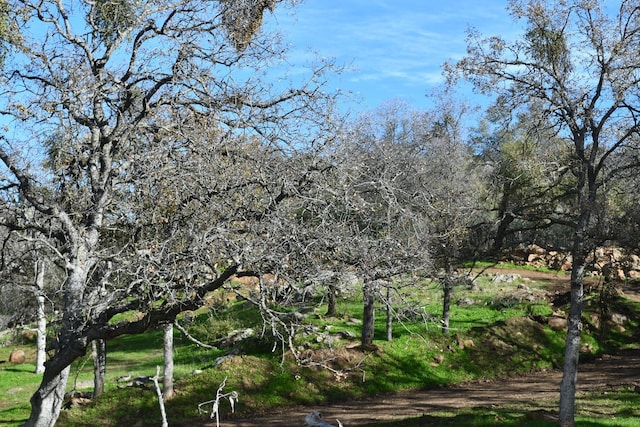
x,y
99,350
41,339
331,300
368,318
566,416
506,218
389,314
587,199
571,353
446,304
167,378
46,402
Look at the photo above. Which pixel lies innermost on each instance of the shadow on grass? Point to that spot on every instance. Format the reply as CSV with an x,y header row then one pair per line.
x,y
12,417
491,418
523,341
471,420
150,340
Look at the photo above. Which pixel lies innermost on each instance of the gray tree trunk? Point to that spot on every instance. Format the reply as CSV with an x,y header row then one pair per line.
x,y
446,304
389,314
41,338
369,317
167,378
46,403
331,300
566,416
587,201
99,350
572,351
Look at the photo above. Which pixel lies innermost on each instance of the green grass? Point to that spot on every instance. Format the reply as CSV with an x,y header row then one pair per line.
x,y
496,324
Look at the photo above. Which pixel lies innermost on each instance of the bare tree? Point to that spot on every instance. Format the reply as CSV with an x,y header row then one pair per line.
x,y
27,291
362,214
576,66
452,184
118,95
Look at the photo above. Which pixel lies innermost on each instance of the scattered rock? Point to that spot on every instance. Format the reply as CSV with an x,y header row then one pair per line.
x,y
610,262
234,337
348,335
465,301
466,343
76,402
558,323
618,318
76,399
586,349
17,356
505,278
29,335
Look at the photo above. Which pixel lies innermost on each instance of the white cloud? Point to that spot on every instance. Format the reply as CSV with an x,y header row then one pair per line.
x,y
397,47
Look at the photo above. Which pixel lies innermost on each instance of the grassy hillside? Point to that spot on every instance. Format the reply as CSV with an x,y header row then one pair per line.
x,y
495,321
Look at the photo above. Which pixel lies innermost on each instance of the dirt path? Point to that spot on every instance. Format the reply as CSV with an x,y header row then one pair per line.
x,y
539,391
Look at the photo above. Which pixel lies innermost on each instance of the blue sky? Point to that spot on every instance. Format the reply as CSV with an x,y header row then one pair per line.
x,y
394,49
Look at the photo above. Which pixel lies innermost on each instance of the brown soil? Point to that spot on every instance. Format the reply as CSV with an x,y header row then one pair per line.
x,y
537,392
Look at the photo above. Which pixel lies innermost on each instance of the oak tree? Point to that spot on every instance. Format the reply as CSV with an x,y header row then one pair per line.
x,y
576,66
123,122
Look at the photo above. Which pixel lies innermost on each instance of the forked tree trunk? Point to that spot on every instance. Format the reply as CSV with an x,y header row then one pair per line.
x,y
167,378
368,318
41,338
99,351
46,403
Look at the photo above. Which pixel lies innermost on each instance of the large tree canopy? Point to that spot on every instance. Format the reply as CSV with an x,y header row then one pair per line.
x,y
137,147
576,66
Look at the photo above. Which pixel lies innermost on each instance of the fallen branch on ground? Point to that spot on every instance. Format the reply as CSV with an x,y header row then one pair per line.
x,y
160,398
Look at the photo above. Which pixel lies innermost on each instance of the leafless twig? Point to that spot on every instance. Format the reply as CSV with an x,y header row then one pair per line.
x,y
232,397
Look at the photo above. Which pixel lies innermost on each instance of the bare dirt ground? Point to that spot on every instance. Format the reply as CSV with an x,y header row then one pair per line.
x,y
538,391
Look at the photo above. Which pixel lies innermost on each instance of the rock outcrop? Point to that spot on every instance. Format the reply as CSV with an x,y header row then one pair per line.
x,y
608,261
